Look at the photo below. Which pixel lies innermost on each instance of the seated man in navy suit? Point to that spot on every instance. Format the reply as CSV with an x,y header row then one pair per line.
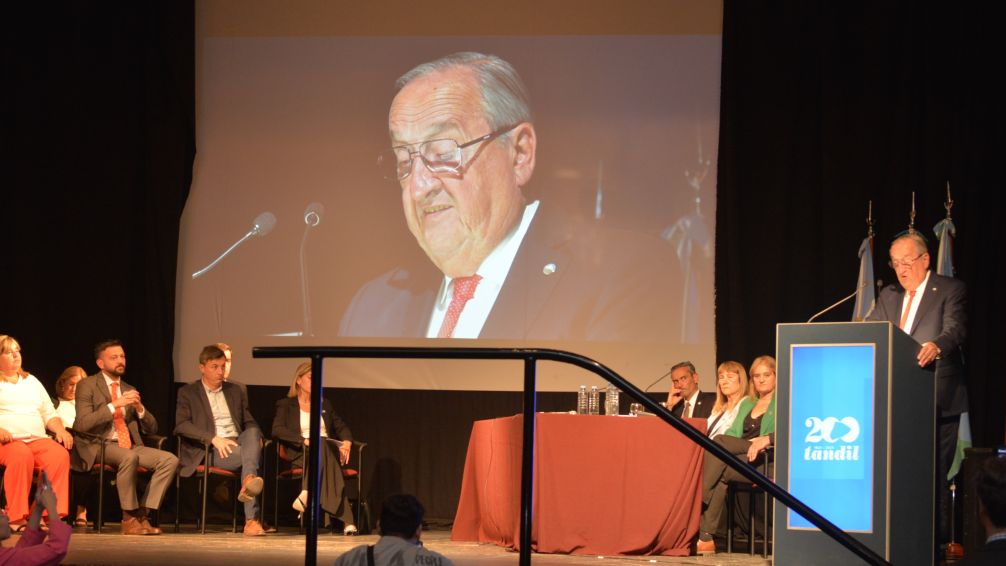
x,y
684,399
214,411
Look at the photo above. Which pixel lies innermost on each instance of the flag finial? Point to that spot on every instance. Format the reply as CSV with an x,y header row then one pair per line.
x,y
911,216
949,203
869,219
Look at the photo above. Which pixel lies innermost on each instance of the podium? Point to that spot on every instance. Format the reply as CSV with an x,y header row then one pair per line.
x,y
855,441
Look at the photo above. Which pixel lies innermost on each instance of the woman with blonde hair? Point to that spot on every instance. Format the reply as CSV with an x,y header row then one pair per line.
x,y
66,394
752,431
731,385
290,428
66,408
26,412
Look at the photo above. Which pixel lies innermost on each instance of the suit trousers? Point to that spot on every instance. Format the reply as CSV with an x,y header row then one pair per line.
x,y
246,456
20,459
163,464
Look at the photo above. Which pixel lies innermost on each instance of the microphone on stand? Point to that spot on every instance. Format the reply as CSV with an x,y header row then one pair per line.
x,y
880,282
659,379
263,224
312,218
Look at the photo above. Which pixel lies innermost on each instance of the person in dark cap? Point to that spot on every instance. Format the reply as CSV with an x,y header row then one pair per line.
x,y
401,527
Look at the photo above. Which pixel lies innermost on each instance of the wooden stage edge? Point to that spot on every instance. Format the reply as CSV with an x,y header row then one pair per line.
x,y
224,548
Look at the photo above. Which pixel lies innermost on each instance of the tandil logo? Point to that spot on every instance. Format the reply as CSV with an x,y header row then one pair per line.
x,y
833,437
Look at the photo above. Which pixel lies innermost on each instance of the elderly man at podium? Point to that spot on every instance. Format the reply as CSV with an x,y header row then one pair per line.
x,y
931,309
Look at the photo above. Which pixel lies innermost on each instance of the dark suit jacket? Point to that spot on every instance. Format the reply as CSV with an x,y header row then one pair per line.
x,y
194,419
286,424
941,319
602,285
94,417
703,406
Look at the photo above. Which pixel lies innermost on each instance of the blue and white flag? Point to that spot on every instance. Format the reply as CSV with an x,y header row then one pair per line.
x,y
866,294
946,231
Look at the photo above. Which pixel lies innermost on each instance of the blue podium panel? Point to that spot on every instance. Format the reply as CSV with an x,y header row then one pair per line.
x,y
832,404
855,441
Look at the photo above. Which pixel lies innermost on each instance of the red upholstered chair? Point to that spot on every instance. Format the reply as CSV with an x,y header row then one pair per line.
x,y
101,468
203,473
352,474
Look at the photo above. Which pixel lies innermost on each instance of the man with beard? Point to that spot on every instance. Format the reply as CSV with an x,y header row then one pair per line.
x,y
111,409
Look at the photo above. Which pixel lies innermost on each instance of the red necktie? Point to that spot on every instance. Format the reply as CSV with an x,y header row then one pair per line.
x,y
908,309
119,419
464,290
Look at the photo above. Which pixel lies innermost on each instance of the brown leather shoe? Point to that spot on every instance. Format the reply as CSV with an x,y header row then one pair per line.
x,y
250,488
253,528
144,516
705,547
133,526
151,530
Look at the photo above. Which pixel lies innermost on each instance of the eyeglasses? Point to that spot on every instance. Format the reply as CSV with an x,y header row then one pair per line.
x,y
439,156
898,263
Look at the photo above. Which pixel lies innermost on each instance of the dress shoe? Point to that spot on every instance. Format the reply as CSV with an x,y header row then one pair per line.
x,y
253,528
250,488
151,530
705,547
350,531
144,518
133,526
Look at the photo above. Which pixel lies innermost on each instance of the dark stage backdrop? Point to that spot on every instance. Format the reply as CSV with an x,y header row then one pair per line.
x,y
98,143
826,106
822,110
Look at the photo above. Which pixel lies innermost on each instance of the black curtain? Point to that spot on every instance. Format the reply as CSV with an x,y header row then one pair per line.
x,y
98,145
828,105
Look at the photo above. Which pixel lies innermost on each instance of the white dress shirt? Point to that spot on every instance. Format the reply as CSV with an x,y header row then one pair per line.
x,y
494,270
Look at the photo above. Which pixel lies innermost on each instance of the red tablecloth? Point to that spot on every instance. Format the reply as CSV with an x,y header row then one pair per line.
x,y
603,485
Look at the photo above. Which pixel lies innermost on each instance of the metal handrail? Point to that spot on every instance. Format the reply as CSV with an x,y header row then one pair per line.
x,y
530,356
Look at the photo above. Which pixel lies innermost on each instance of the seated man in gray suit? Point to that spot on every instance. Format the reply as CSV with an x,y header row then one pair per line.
x,y
215,411
110,408
684,399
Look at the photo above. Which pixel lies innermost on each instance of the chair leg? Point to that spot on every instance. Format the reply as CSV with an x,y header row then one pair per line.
x,y
731,493
206,488
751,521
101,499
234,508
178,501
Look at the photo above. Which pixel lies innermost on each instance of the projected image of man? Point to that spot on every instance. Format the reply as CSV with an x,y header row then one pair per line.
x,y
463,149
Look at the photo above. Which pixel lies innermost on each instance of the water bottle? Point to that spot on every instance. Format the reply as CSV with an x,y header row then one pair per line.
x,y
593,401
611,400
581,400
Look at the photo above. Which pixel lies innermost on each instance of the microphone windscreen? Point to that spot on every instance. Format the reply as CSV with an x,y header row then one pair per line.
x,y
264,223
312,214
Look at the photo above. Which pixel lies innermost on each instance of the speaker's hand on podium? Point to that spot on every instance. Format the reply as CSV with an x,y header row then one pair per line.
x,y
927,354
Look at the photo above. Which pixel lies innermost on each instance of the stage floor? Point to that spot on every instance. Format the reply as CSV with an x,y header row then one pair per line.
x,y
287,548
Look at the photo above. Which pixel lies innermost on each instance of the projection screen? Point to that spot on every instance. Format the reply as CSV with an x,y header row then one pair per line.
x,y
625,176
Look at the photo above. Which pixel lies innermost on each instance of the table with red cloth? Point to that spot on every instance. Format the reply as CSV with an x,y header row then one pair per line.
x,y
602,485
